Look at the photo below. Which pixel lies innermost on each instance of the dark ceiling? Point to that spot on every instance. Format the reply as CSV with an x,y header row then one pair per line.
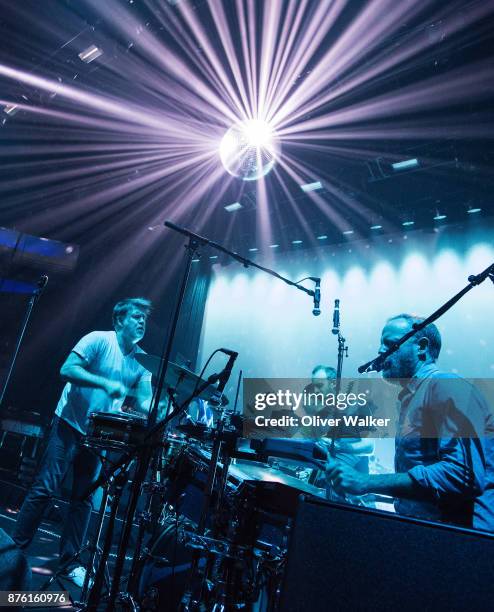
x,y
451,137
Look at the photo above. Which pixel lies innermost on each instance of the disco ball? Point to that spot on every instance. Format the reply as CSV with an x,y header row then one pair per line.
x,y
250,149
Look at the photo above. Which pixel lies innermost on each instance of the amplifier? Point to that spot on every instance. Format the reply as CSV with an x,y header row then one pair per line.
x,y
350,558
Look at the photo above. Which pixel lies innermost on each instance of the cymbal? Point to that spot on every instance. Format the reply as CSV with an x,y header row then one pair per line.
x,y
261,472
182,380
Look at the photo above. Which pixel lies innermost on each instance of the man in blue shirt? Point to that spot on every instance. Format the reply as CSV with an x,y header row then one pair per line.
x,y
444,452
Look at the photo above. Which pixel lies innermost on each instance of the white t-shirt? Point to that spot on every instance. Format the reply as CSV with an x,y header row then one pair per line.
x,y
104,357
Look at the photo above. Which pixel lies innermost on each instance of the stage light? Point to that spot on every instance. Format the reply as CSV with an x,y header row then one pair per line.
x,y
250,149
406,164
274,246
472,211
11,109
322,237
90,54
233,207
195,260
408,223
347,232
296,241
376,227
253,250
317,185
439,217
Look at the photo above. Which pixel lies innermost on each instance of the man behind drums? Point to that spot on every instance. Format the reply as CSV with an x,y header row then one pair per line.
x,y
101,370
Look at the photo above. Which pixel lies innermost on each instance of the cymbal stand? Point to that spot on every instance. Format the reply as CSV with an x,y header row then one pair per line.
x,y
117,482
188,600
145,454
94,548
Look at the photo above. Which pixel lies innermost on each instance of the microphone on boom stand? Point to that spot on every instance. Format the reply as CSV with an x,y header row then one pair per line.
x,y
317,297
336,318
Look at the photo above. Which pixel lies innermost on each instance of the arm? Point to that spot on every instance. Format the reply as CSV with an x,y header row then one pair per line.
x,y
347,480
144,394
458,472
356,446
74,370
457,412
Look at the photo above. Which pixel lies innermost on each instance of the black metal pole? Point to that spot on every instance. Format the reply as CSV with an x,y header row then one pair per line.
x,y
144,457
32,301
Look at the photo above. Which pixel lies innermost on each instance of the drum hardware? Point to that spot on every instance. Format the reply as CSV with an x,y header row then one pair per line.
x,y
180,381
112,484
143,447
118,477
117,432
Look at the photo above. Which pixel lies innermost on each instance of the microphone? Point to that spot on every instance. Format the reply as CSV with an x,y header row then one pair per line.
x,y
336,317
317,298
227,371
374,365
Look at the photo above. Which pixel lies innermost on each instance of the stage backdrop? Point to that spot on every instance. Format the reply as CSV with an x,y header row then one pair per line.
x,y
272,327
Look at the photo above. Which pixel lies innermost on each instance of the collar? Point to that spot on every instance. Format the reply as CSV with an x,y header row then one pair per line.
x,y
425,371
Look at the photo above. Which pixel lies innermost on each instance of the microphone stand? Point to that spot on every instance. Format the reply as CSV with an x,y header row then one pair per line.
x,y
376,364
42,282
243,260
342,352
145,454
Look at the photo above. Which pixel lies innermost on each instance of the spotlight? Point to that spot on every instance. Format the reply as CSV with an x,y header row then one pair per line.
x,y
406,164
473,211
11,109
376,227
233,207
274,246
316,186
439,217
250,149
213,257
321,237
253,250
347,232
90,54
296,241
408,223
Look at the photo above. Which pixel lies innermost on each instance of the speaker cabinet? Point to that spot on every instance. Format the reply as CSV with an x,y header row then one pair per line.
x,y
349,558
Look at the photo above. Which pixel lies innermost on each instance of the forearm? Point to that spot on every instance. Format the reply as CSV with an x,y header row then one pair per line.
x,y
356,446
80,376
395,485
144,396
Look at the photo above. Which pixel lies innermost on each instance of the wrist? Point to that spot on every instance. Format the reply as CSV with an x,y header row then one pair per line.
x,y
364,484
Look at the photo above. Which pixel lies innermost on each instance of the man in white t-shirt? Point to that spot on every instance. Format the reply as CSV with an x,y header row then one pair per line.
x,y
101,371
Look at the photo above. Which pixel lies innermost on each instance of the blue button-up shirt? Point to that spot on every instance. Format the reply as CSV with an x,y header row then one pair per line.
x,y
445,443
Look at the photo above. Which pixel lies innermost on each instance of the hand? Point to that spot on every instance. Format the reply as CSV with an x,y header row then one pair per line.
x,y
344,479
115,389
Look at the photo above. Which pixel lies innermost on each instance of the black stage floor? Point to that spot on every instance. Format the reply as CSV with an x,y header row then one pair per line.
x,y
42,555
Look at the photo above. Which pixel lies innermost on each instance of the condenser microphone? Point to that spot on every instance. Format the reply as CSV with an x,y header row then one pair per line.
x,y
336,318
317,298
